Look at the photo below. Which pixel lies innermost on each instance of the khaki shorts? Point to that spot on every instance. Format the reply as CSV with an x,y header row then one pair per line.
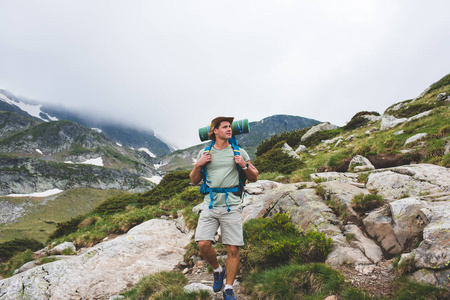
x,y
230,225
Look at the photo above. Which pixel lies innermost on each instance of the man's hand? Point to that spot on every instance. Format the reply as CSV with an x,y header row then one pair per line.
x,y
239,160
206,158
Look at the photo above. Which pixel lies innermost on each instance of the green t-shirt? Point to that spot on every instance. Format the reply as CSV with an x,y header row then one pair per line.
x,y
222,172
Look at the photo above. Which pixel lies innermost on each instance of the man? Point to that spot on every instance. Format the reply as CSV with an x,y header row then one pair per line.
x,y
222,207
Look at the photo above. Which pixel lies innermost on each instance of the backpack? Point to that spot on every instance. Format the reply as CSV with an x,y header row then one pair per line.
x,y
237,190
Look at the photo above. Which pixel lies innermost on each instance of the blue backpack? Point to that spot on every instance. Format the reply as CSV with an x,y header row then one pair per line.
x,y
236,190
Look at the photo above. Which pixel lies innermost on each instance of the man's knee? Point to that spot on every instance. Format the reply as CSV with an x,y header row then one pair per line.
x,y
232,251
204,245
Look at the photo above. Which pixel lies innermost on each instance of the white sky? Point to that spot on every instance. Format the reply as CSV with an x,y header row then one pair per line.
x,y
172,66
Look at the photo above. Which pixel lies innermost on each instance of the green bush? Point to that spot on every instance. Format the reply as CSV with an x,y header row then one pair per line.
x,y
310,281
365,203
10,248
275,160
292,138
164,285
407,289
116,204
67,227
172,184
274,242
359,120
19,259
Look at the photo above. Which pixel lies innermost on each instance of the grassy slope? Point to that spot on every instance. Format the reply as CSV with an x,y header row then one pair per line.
x,y
41,221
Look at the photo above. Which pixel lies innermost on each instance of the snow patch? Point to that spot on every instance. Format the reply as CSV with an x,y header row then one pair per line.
x,y
155,179
147,151
97,129
41,194
119,144
39,151
32,109
95,161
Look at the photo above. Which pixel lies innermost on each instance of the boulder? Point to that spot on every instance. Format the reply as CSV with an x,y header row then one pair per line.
x,y
378,224
317,128
442,97
301,148
418,116
196,287
58,249
336,176
411,180
342,192
106,269
388,121
360,163
434,251
370,249
414,138
289,151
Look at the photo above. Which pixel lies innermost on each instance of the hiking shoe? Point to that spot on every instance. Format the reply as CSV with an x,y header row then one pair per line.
x,y
229,295
218,280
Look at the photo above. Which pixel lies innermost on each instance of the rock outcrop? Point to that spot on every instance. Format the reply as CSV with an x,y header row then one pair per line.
x,y
105,269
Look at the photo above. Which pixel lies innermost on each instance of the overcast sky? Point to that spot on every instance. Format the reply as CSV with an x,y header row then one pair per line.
x,y
172,66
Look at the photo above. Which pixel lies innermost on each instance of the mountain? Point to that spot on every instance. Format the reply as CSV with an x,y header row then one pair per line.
x,y
125,135
259,131
36,156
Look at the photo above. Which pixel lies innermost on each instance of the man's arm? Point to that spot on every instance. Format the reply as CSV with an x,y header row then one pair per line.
x,y
196,173
251,172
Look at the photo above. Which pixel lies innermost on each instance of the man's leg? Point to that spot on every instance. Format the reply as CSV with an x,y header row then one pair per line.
x,y
232,263
208,253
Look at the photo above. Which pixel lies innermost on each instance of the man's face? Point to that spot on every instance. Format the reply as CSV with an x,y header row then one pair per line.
x,y
224,131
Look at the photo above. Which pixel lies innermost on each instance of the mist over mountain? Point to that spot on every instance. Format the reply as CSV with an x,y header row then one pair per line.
x,y
125,135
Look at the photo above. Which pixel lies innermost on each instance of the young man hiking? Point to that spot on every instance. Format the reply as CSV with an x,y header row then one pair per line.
x,y
222,204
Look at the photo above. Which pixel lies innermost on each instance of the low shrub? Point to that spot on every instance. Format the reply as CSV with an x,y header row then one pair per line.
x,y
407,289
359,120
171,184
275,160
116,204
19,259
276,241
10,248
309,281
67,227
320,191
364,203
164,285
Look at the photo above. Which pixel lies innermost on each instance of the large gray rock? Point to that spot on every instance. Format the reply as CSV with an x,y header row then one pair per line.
x,y
342,192
388,121
378,225
434,251
289,151
370,249
360,163
106,269
411,180
317,128
415,138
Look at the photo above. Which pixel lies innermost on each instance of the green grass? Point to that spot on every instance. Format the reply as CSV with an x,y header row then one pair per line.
x,y
276,241
164,285
365,203
294,281
41,220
